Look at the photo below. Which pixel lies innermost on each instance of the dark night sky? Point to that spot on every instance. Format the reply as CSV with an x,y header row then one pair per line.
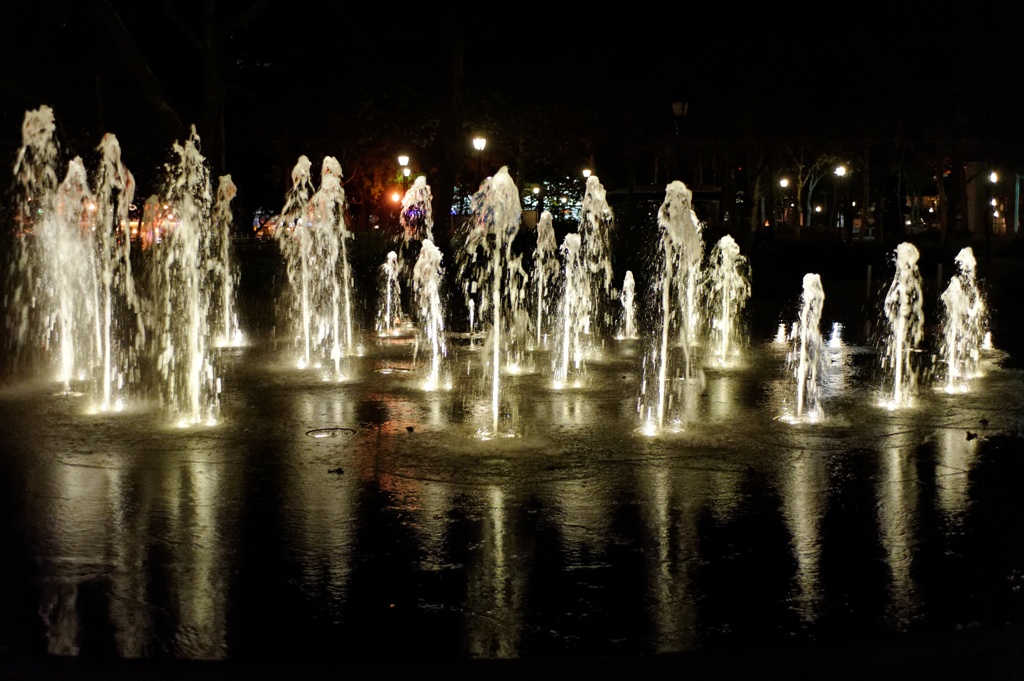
x,y
296,72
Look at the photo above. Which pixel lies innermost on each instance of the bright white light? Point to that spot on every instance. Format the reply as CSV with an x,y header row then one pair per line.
x,y
403,160
840,171
479,143
994,177
783,183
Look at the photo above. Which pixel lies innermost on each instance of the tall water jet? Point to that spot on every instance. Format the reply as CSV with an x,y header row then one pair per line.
x,y
494,273
27,302
574,312
807,354
728,292
596,221
122,329
426,277
69,279
225,315
313,237
293,236
904,328
185,286
389,309
545,269
330,242
963,324
628,300
681,251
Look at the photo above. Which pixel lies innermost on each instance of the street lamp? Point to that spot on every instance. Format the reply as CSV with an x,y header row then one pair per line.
x,y
784,183
840,173
586,173
403,161
479,143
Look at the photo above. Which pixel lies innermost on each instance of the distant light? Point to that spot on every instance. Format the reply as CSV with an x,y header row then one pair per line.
x,y
586,172
993,202
479,143
396,197
853,203
817,209
840,171
406,172
783,183
403,160
536,190
994,177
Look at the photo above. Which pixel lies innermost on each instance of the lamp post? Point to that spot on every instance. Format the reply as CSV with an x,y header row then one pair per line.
x,y
403,162
784,184
479,143
840,173
679,109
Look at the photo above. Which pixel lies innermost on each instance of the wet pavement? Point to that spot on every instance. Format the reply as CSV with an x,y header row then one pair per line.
x,y
360,521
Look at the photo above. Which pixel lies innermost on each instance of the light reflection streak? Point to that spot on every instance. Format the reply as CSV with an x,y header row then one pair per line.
x,y
496,587
898,521
803,505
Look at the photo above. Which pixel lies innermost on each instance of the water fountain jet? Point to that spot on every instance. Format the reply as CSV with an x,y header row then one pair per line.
x,y
963,324
729,290
904,326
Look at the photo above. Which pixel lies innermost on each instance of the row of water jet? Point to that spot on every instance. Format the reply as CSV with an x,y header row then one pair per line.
x,y
583,314
313,237
903,327
545,271
186,282
963,324
728,292
492,274
71,292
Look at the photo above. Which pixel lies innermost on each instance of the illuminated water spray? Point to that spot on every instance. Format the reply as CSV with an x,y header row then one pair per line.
x,y
313,237
904,328
229,333
545,270
963,324
676,280
121,329
628,300
426,277
184,288
389,309
729,290
807,353
596,222
573,316
488,267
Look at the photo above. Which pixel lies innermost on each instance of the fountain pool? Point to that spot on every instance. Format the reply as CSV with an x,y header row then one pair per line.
x,y
355,519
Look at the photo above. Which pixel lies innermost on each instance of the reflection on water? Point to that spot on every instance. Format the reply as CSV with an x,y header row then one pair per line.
x,y
804,486
405,532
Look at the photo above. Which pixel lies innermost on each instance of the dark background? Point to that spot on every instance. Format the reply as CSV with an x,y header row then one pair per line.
x,y
896,92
